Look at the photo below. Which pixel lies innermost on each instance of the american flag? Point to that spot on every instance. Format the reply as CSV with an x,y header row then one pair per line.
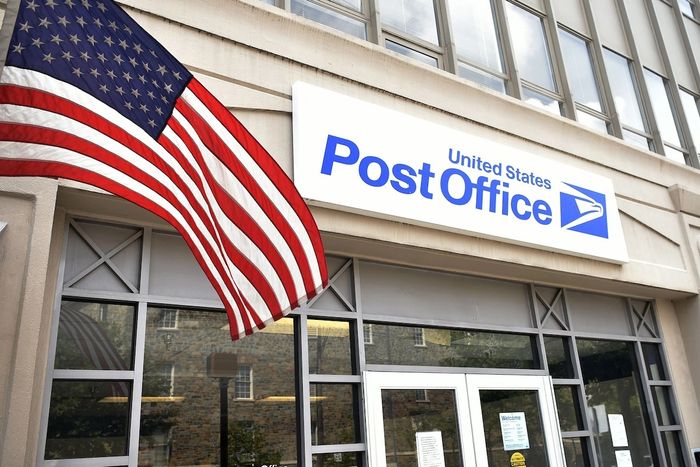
x,y
86,94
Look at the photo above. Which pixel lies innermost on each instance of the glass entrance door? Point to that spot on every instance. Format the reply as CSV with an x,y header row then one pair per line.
x,y
456,420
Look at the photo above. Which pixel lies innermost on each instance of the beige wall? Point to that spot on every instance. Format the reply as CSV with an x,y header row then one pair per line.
x,y
27,205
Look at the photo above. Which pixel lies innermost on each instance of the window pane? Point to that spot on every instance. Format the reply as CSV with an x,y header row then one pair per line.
x,y
662,107
655,367
662,402
530,46
88,419
414,17
353,4
672,448
674,154
329,347
336,459
333,412
396,345
427,59
623,89
467,72
94,336
541,101
568,408
255,374
692,114
637,140
610,372
330,18
576,452
558,357
686,7
475,33
579,70
594,123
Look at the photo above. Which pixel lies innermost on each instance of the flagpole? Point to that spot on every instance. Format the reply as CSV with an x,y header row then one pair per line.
x,y
8,25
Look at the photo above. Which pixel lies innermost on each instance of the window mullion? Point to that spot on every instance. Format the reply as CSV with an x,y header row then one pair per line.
x,y
558,61
374,24
514,84
448,41
137,384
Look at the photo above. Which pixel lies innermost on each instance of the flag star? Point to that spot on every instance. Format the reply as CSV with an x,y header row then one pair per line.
x,y
97,23
127,77
144,108
91,40
67,55
153,52
159,112
129,106
146,66
164,99
37,42
138,48
123,44
169,88
118,58
113,26
70,3
18,48
104,88
25,27
48,58
86,4
45,22
63,21
177,75
101,57
152,123
109,41
142,79
120,90
162,70
80,21
101,6
77,72
151,95
85,56
133,62
135,92
111,74
31,5
51,3
127,29
94,72
74,38
55,38
155,83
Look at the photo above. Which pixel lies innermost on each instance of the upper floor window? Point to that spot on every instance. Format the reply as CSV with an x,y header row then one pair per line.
x,y
167,319
664,115
419,337
688,7
691,107
333,15
412,17
243,383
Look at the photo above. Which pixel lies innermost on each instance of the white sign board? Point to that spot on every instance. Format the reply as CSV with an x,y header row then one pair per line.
x,y
360,157
617,430
429,449
514,431
623,458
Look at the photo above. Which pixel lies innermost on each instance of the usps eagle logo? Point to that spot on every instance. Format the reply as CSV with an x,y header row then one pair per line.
x,y
583,211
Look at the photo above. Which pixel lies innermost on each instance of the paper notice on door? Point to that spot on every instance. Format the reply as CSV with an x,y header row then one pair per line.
x,y
623,458
514,431
429,447
617,430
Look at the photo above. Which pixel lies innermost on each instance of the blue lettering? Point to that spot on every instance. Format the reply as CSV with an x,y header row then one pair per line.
x,y
404,182
331,156
383,171
444,186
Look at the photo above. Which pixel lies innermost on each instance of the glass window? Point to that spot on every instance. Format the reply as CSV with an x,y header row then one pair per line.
x,y
674,154
530,44
661,104
183,428
568,408
403,50
613,391
636,139
687,7
479,77
692,114
396,345
329,347
576,452
336,459
475,35
655,367
353,4
662,402
579,70
594,123
329,17
367,334
88,419
419,337
333,415
94,336
414,17
624,90
672,448
168,319
543,102
558,357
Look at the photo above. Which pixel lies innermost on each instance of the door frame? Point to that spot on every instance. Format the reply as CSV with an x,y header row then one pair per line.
x,y
468,407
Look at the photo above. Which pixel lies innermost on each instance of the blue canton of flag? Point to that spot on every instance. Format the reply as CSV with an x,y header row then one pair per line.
x,y
92,45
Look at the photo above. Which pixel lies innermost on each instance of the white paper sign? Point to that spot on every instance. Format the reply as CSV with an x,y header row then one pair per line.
x,y
617,430
359,157
429,446
514,431
624,458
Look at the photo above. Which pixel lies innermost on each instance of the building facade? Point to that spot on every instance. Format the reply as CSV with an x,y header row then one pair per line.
x,y
431,345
